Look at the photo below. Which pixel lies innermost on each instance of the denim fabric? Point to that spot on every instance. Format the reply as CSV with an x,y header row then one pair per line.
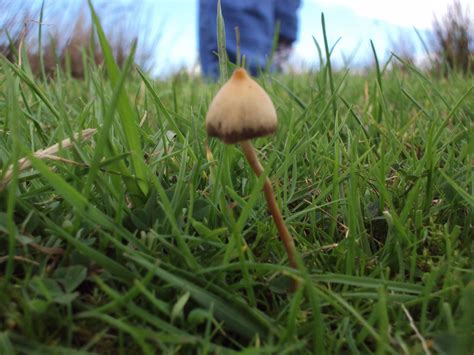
x,y
285,13
256,20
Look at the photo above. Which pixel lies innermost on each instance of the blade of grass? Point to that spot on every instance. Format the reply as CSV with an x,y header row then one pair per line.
x,y
221,44
126,113
461,192
14,117
245,324
35,88
329,67
81,205
365,324
138,334
115,268
107,124
171,218
161,107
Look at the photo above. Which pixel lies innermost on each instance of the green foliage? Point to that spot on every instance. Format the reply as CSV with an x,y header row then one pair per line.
x,y
127,115
150,238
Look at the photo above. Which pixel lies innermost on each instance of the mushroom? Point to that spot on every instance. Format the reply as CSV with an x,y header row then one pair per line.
x,y
240,111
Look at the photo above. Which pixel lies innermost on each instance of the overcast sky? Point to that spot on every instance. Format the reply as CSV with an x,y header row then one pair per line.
x,y
355,22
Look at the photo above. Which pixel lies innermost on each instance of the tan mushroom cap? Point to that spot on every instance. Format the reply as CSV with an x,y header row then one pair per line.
x,y
241,110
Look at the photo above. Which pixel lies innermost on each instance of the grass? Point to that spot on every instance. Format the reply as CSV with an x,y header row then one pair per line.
x,y
148,237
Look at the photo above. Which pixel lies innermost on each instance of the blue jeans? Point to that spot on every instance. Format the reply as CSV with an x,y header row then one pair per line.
x,y
256,20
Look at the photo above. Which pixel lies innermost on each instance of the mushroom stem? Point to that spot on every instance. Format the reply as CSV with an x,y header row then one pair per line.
x,y
285,236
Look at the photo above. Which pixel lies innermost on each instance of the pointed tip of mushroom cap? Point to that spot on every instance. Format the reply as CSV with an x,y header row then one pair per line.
x,y
241,110
240,74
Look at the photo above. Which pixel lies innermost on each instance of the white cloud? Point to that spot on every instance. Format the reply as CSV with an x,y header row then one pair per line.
x,y
418,13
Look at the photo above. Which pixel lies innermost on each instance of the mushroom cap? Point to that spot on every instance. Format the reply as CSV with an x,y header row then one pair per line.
x,y
241,110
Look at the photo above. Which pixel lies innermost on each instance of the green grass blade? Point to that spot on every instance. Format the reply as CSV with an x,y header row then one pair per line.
x,y
461,192
329,68
13,119
107,124
136,333
126,113
221,44
161,107
243,323
80,204
89,252
35,88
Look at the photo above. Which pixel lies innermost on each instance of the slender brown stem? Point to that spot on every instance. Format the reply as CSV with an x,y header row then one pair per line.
x,y
285,236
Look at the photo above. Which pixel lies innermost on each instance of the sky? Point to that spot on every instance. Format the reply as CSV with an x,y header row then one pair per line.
x,y
350,23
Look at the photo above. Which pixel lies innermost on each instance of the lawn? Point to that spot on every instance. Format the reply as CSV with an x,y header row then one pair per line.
x,y
138,234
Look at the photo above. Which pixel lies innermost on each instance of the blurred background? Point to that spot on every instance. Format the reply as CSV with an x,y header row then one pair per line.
x,y
425,32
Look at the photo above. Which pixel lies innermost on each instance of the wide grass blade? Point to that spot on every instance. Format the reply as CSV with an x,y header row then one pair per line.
x,y
107,124
124,108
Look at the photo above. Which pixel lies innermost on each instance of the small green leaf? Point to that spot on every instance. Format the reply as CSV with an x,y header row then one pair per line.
x,y
198,316
38,306
204,231
177,311
71,277
66,298
46,287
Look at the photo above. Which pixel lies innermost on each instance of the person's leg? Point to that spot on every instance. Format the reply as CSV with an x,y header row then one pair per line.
x,y
286,14
207,38
255,20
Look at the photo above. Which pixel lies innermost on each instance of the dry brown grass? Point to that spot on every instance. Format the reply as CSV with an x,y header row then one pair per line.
x,y
453,39
67,33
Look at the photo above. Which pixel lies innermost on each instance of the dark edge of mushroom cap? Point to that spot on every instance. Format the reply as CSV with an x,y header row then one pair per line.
x,y
241,135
